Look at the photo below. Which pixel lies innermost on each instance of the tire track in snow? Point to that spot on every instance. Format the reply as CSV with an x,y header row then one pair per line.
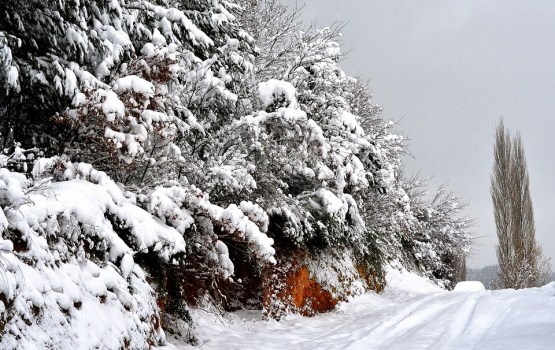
x,y
344,333
443,327
458,325
494,318
409,321
461,325
463,316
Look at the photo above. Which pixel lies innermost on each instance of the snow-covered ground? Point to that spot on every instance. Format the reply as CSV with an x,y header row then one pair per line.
x,y
410,314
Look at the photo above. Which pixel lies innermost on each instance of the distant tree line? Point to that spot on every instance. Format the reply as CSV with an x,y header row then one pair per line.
x,y
489,276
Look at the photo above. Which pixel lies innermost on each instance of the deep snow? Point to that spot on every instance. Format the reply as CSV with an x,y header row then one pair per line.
x,y
410,314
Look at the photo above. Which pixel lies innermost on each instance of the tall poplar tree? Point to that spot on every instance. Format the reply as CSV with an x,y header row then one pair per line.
x,y
520,257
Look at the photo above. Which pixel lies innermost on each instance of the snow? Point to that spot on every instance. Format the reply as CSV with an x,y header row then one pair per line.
x,y
12,77
469,286
135,84
275,90
332,204
110,104
400,280
351,122
174,15
256,214
126,265
411,313
223,258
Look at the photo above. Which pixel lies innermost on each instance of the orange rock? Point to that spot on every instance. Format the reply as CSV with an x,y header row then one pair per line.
x,y
289,288
307,295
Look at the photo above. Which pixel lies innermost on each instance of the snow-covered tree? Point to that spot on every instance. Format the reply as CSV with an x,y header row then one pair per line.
x,y
142,91
215,145
441,237
309,149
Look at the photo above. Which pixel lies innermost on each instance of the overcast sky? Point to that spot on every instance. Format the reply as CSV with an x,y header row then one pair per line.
x,y
447,70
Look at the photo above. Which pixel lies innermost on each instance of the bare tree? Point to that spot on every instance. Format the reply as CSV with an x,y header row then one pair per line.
x,y
521,261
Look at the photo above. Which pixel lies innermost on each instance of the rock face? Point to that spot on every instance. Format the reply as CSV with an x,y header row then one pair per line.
x,y
308,284
306,294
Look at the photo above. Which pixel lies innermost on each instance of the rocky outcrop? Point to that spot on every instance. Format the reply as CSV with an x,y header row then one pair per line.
x,y
308,284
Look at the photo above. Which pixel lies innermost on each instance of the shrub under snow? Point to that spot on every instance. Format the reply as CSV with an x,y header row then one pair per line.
x,y
68,278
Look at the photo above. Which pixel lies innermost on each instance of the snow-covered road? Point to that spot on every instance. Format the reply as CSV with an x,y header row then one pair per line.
x,y
409,315
488,320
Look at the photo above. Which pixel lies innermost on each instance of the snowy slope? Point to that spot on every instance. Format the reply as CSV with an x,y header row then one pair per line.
x,y
410,314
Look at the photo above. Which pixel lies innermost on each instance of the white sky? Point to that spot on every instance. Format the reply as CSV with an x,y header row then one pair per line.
x,y
447,70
